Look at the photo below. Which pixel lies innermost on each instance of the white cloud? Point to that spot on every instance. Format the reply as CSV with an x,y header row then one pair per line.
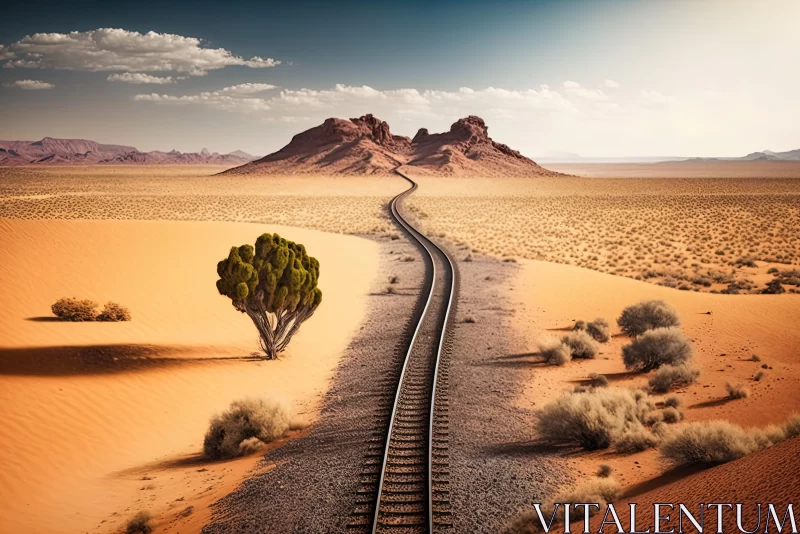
x,y
656,100
31,85
346,101
116,49
611,84
582,92
141,78
233,98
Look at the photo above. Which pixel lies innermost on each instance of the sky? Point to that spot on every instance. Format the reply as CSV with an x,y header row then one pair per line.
x,y
599,78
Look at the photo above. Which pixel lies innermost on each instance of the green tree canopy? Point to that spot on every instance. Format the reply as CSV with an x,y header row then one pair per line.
x,y
275,284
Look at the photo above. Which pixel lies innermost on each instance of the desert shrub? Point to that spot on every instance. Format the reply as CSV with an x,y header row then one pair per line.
x,y
604,471
759,376
736,391
791,427
141,523
655,348
581,345
716,442
635,441
555,353
639,318
72,309
599,330
598,381
671,415
243,420
579,325
774,287
593,419
672,401
114,312
250,445
469,319
668,376
596,490
393,279
755,358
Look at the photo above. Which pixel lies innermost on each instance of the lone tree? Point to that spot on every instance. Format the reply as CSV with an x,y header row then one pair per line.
x,y
275,284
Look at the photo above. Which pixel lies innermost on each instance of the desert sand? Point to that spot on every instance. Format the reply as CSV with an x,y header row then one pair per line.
x,y
104,419
550,297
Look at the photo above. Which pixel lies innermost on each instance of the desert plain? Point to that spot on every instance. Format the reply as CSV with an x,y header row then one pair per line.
x,y
103,420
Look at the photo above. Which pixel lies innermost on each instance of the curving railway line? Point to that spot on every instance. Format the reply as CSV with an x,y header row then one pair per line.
x,y
405,488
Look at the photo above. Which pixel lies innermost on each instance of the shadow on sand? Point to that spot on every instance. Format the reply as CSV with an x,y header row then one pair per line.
x,y
524,359
102,359
712,403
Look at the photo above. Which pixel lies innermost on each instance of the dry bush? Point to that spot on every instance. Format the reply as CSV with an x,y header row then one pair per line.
x,y
593,419
672,401
717,442
636,319
671,415
759,376
141,523
636,440
113,312
657,347
599,330
598,381
72,309
555,353
791,427
736,391
600,490
581,345
579,325
604,471
243,420
669,376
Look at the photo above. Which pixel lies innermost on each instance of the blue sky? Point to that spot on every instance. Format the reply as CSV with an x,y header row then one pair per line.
x,y
599,78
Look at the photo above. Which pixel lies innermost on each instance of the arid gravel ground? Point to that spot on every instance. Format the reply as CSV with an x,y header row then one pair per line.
x,y
496,469
312,487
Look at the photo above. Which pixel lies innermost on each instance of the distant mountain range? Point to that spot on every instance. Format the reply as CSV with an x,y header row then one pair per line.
x,y
51,151
764,155
365,145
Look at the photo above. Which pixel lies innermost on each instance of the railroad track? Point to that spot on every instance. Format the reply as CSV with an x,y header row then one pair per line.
x,y
405,480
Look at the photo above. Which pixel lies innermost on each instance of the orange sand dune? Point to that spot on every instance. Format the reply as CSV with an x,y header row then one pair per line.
x,y
101,420
768,476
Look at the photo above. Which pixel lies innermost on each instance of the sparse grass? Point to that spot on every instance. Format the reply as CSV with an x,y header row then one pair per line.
x,y
673,401
141,523
231,433
736,391
671,415
669,376
657,347
636,319
581,345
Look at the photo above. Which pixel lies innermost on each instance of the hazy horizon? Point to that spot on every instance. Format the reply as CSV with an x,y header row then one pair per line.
x,y
610,79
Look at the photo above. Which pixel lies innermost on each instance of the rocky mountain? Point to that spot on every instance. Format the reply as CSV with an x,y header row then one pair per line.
x,y
50,151
365,145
